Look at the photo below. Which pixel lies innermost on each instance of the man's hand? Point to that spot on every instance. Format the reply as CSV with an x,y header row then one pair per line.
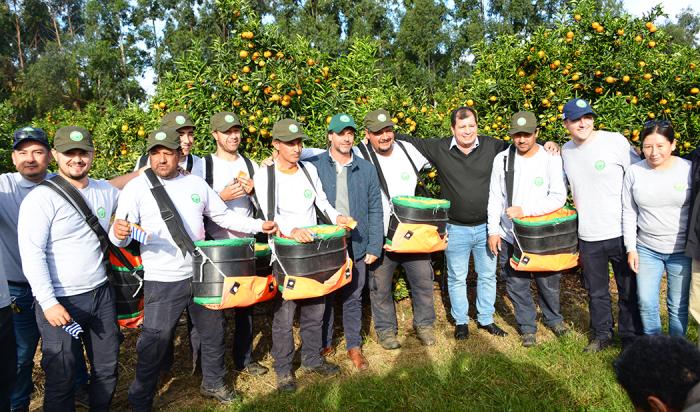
x,y
344,220
494,244
269,227
121,229
551,147
57,315
247,184
514,212
232,191
633,261
302,235
269,161
369,259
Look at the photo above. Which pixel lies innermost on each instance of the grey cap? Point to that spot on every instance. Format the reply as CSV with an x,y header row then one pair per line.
x,y
523,122
176,120
287,130
377,120
165,136
223,121
72,137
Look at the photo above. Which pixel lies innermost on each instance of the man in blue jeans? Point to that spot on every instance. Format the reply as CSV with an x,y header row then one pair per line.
x,y
339,170
31,156
464,164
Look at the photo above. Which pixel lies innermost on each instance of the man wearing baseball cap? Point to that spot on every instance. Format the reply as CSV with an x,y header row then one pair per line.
x,y
230,174
63,262
339,170
168,268
595,162
183,124
396,166
296,197
538,189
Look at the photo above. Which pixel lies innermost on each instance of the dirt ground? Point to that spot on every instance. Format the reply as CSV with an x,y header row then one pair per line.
x,y
181,391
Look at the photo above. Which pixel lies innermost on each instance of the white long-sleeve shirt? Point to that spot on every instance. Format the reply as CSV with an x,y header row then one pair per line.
x,y
163,261
295,197
538,188
656,204
61,255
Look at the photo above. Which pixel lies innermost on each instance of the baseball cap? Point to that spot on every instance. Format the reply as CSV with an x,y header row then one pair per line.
x,y
575,109
72,137
165,136
223,121
523,122
340,122
287,130
30,134
377,120
176,120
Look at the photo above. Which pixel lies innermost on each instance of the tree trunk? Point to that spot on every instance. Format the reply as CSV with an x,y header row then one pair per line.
x,y
55,29
19,37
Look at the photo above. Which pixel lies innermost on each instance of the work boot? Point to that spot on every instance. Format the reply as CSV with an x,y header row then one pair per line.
x,y
528,339
426,335
461,332
387,339
222,394
325,369
286,383
559,329
254,369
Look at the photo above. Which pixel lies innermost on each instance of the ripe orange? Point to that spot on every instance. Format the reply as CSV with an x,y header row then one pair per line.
x,y
625,78
243,54
694,90
610,80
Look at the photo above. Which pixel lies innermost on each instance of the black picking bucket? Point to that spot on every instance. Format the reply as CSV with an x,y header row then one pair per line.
x,y
318,260
419,210
233,257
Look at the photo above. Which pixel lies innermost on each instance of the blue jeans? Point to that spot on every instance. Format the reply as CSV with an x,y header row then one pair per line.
x,y
651,269
463,241
27,338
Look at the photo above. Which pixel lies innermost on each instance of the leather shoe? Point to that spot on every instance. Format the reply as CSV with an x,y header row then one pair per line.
x,y
560,330
528,340
493,329
387,339
327,351
358,359
222,394
426,335
461,332
286,383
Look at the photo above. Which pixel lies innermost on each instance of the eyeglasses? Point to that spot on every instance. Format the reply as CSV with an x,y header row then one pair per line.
x,y
659,123
33,134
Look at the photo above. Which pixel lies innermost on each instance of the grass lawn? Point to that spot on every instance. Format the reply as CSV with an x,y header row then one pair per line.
x,y
483,373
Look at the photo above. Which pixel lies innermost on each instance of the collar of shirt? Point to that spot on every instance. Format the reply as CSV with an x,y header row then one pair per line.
x,y
28,184
453,143
338,166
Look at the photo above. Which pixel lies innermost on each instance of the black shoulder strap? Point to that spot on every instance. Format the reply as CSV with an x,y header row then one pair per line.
x,y
209,172
421,183
249,165
253,198
59,185
319,213
510,173
170,216
189,163
271,192
368,154
142,161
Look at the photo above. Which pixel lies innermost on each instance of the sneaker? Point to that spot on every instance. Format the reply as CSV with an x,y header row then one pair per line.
x,y
426,335
82,396
493,329
222,394
461,332
387,339
325,369
528,340
597,345
559,329
286,383
254,369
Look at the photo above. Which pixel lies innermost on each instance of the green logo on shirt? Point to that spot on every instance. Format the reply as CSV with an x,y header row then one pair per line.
x,y
539,181
679,187
101,212
599,165
307,194
405,176
195,198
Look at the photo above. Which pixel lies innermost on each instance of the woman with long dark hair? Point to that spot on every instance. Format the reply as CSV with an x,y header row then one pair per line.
x,y
656,204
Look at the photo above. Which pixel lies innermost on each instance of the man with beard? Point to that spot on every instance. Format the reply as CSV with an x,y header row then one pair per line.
x,y
63,262
230,174
339,170
168,269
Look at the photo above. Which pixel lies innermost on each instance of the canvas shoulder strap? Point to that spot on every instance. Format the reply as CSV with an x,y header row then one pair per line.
x,y
170,216
509,169
59,185
319,213
421,183
189,163
368,154
209,172
271,192
142,161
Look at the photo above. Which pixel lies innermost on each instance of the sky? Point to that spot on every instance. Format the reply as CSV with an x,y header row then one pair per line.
x,y
634,7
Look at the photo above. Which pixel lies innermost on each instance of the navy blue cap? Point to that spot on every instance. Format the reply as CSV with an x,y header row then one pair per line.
x,y
575,109
30,134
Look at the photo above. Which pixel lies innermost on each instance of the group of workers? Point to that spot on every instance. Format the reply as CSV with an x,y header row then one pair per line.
x,y
637,214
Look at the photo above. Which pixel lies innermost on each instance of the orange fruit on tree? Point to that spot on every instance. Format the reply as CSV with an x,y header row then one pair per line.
x,y
647,76
569,35
243,54
310,62
599,90
638,38
625,78
577,17
694,90
125,127
245,88
663,101
267,54
245,69
652,44
620,32
161,105
610,80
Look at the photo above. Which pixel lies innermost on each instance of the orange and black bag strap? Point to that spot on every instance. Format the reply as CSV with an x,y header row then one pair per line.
x,y
59,185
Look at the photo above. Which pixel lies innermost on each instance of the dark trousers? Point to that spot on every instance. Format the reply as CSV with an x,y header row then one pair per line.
x,y
96,313
594,257
420,277
243,336
310,325
351,297
163,305
518,287
8,357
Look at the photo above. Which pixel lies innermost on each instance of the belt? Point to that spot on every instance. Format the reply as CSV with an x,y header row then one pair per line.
x,y
18,284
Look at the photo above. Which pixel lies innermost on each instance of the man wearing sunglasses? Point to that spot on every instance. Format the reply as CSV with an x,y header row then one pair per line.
x,y
595,162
